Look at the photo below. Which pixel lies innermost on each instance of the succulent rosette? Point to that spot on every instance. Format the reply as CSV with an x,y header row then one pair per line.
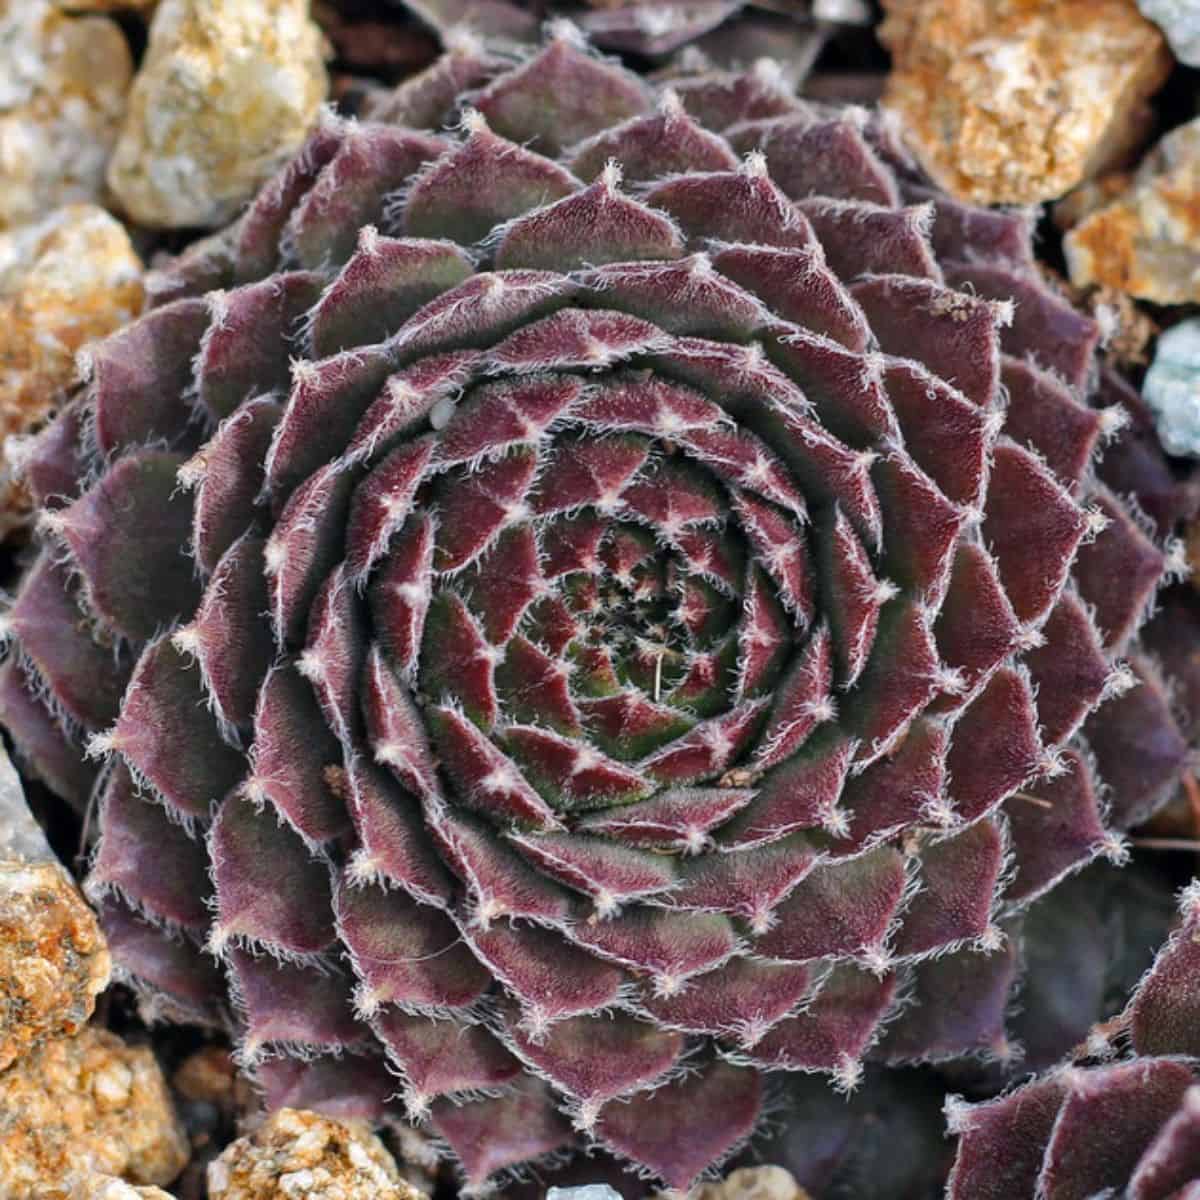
x,y
1128,1126
586,596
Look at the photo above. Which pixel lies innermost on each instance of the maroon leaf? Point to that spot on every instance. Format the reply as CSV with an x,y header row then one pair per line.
x,y
125,535
269,889
654,1127
167,736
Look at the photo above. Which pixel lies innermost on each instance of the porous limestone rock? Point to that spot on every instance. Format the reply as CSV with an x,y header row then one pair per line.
x,y
1017,101
754,1183
86,1104
1147,241
224,97
63,87
1180,21
65,280
296,1153
53,958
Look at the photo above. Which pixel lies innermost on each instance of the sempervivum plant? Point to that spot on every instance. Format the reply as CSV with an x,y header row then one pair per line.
x,y
586,606
1128,1127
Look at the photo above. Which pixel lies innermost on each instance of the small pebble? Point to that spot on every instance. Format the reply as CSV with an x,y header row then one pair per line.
x,y
85,1104
65,280
754,1183
63,87
208,1076
225,95
1146,241
589,1191
1172,388
296,1153
1017,101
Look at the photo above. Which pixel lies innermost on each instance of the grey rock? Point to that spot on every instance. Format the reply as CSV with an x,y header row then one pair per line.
x,y
1172,388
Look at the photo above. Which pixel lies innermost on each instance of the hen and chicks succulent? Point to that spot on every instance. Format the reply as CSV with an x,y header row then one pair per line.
x,y
590,594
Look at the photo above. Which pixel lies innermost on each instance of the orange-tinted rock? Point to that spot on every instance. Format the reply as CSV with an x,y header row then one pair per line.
x,y
53,958
113,6
1147,241
86,1104
64,281
92,1186
1018,101
295,1152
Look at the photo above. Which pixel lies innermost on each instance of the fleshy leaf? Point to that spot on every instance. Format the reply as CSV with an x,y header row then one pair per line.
x,y
167,736
656,1128
125,534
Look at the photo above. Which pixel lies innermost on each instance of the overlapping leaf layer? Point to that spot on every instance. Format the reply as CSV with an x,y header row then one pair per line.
x,y
588,607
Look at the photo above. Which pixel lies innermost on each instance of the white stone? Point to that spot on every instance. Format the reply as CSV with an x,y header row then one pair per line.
x,y
1172,388
590,1191
63,87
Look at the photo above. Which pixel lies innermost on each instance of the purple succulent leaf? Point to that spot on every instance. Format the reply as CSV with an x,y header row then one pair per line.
x,y
1163,1011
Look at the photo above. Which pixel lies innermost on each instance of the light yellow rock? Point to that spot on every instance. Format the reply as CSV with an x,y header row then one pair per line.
x,y
226,93
64,281
296,1153
63,87
754,1183
86,1104
53,958
1147,242
1018,101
